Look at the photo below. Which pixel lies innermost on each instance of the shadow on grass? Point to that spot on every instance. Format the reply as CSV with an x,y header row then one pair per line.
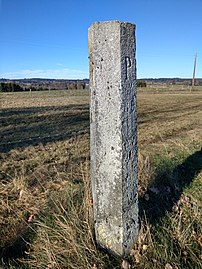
x,y
167,188
19,247
31,126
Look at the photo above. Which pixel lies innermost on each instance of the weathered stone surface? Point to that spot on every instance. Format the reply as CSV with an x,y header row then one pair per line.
x,y
113,135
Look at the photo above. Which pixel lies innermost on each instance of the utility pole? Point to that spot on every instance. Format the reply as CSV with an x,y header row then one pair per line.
x,y
194,72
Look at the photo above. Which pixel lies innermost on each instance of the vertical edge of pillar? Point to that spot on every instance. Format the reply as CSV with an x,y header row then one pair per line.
x,y
129,136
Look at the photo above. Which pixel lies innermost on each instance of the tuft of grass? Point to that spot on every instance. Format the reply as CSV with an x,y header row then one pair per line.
x,y
18,205
64,234
64,239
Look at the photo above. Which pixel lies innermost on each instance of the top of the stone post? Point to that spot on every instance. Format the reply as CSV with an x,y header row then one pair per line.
x,y
112,22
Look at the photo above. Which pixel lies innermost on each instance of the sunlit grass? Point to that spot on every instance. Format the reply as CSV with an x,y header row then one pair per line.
x,y
45,185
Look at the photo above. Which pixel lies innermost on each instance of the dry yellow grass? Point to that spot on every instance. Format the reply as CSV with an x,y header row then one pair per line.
x,y
53,168
167,120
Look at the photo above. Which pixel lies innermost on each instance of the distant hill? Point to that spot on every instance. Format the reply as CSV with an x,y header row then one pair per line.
x,y
42,80
48,84
62,84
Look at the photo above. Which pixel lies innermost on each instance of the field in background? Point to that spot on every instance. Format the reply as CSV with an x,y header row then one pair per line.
x,y
175,88
44,189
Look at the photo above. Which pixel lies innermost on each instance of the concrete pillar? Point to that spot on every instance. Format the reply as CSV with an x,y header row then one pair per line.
x,y
113,134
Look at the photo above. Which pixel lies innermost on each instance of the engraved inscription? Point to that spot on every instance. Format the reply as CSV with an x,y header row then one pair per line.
x,y
128,65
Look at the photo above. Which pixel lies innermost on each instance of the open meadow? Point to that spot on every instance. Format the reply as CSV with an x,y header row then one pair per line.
x,y
45,203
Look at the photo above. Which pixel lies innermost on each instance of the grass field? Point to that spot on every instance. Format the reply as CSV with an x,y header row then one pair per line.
x,y
45,186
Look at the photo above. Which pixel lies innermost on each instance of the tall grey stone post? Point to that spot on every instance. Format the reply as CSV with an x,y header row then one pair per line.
x,y
113,134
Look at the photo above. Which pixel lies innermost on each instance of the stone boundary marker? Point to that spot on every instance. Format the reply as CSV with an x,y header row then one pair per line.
x,y
113,134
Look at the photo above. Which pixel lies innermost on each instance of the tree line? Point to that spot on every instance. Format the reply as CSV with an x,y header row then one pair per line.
x,y
13,87
10,87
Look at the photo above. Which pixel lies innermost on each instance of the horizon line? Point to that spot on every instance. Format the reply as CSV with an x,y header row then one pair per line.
x,y
43,78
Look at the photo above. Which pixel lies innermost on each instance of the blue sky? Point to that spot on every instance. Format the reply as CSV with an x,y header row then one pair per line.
x,y
48,38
